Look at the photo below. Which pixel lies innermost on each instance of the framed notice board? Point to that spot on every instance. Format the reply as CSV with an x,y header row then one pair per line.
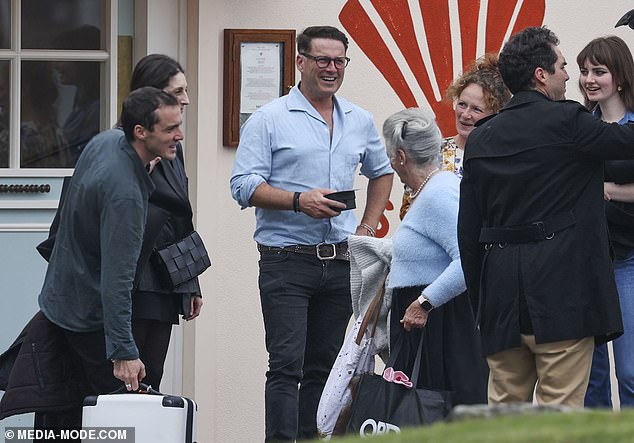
x,y
259,66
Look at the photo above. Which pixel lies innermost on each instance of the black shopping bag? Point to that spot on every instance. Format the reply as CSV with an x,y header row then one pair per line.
x,y
380,407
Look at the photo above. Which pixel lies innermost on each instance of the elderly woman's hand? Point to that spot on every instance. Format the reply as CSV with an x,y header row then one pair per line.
x,y
415,316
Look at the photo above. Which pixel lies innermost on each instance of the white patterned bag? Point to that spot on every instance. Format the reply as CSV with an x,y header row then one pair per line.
x,y
355,357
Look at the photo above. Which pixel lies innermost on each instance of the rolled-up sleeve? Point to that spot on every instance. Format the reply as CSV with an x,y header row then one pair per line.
x,y
375,162
252,165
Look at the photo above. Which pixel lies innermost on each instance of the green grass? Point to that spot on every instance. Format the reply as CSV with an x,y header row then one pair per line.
x,y
578,427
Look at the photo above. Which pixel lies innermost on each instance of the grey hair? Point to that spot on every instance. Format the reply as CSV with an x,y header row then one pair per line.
x,y
415,131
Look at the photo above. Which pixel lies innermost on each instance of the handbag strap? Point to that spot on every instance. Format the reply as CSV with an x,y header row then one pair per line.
x,y
413,377
417,360
371,316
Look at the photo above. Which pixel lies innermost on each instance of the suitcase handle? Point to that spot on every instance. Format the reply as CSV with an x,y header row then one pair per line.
x,y
147,389
143,389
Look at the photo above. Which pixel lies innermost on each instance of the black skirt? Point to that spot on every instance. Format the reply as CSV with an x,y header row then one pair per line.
x,y
451,355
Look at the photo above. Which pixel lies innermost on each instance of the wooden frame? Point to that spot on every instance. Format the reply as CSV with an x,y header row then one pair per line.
x,y
234,39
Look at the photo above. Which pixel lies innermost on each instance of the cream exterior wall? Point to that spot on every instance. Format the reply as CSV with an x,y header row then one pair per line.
x,y
224,355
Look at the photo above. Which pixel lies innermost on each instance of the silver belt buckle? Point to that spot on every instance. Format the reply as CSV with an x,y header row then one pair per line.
x,y
327,257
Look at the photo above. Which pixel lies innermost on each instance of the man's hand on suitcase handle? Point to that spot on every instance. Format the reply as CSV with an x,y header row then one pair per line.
x,y
131,372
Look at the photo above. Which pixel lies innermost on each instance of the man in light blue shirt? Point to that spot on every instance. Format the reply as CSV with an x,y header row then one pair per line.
x,y
293,151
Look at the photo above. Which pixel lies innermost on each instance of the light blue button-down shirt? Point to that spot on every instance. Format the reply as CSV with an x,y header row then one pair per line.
x,y
286,143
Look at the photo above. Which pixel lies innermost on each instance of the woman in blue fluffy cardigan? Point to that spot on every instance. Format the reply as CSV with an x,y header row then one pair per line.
x,y
429,301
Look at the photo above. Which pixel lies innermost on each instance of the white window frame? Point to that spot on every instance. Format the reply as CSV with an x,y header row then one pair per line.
x,y
15,55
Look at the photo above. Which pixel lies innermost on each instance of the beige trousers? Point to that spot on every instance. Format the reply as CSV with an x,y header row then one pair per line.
x,y
557,372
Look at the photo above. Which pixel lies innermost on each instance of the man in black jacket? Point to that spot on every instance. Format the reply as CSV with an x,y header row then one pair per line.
x,y
532,231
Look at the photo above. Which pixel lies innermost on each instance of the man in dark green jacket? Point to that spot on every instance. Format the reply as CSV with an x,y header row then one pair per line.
x,y
91,271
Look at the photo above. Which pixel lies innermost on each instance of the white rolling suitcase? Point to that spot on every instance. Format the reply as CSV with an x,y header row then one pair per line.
x,y
155,417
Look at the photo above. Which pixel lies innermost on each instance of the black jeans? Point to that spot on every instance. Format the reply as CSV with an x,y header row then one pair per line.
x,y
93,372
306,307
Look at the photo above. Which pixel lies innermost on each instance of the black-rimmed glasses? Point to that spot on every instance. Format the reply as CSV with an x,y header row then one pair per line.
x,y
324,62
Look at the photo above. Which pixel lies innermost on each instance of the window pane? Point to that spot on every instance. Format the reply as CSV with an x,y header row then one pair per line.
x,y
62,24
5,24
60,111
4,113
42,141
80,103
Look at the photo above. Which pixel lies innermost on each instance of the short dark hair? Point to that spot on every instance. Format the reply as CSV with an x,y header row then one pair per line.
x,y
154,70
614,53
306,37
139,108
523,53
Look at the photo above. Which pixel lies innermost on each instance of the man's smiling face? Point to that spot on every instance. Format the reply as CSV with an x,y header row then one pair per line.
x,y
321,83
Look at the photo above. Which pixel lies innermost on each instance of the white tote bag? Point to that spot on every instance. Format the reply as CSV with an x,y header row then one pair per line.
x,y
355,357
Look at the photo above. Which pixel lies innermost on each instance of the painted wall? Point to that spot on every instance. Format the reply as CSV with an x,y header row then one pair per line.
x,y
224,355
229,359
227,374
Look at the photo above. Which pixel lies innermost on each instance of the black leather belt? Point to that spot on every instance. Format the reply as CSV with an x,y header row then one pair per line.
x,y
323,251
539,230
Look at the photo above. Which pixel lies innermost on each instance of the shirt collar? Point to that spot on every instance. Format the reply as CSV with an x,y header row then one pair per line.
x,y
298,102
627,118
522,97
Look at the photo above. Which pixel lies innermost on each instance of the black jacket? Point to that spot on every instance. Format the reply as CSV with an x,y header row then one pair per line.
x,y
535,160
169,220
36,372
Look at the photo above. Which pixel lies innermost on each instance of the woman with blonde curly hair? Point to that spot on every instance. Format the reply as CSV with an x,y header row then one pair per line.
x,y
477,93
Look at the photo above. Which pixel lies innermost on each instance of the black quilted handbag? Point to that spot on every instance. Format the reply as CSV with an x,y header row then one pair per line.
x,y
184,260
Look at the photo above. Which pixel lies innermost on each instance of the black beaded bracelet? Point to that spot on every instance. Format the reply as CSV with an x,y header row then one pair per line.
x,y
296,201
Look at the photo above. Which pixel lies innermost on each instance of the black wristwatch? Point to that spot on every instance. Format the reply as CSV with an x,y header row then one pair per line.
x,y
427,307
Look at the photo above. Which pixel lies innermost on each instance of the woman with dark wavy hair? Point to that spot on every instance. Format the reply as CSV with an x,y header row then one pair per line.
x,y
156,305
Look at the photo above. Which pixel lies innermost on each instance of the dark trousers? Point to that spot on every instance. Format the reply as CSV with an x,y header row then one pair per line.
x,y
92,371
306,307
152,338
